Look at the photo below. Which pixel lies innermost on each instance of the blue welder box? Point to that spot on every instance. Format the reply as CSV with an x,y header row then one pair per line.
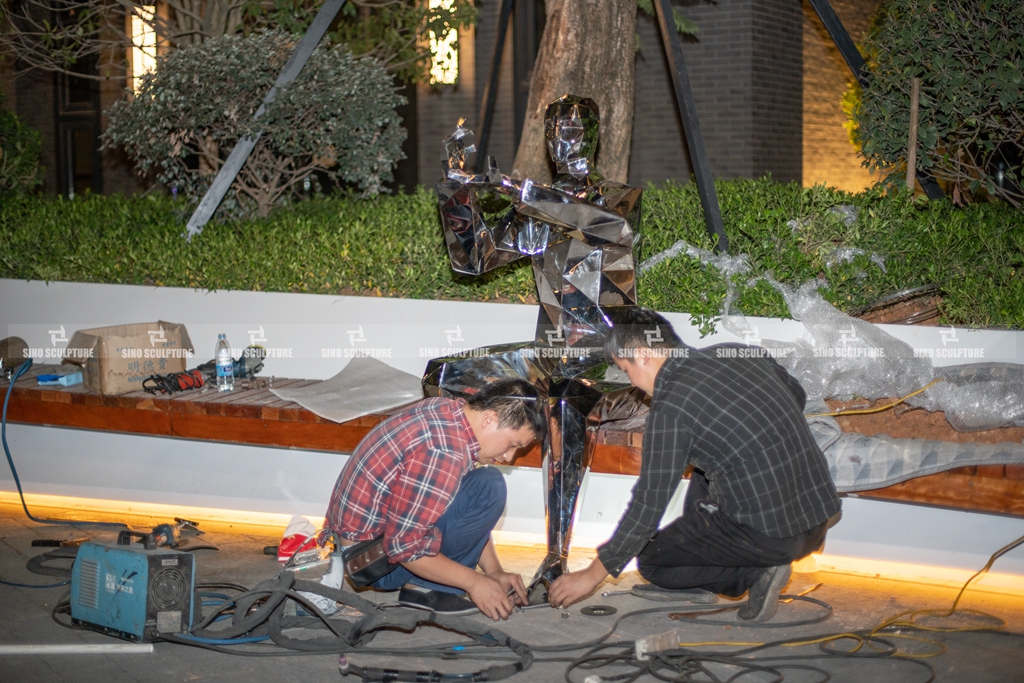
x,y
131,592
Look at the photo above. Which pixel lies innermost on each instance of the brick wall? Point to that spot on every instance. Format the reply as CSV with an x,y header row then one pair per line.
x,y
745,70
35,94
501,144
768,84
777,84
767,80
118,171
438,108
31,96
658,148
828,156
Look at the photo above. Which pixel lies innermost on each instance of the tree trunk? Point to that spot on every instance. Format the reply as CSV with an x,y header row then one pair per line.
x,y
588,49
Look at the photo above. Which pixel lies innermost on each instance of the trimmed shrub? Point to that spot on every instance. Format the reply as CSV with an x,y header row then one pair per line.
x,y
393,246
337,117
969,55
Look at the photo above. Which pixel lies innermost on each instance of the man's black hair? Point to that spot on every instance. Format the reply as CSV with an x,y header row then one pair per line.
x,y
634,328
516,402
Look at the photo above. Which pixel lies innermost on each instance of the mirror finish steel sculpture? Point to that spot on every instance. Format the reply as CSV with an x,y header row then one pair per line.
x,y
578,233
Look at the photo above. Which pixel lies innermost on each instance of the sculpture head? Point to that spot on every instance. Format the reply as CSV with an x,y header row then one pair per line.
x,y
571,127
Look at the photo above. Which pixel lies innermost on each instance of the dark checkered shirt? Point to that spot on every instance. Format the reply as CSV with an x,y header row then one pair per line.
x,y
402,476
740,421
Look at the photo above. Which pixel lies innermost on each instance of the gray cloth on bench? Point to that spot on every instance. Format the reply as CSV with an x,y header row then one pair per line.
x,y
859,463
363,387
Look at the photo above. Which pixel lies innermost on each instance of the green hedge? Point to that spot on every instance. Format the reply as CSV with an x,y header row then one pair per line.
x,y
392,246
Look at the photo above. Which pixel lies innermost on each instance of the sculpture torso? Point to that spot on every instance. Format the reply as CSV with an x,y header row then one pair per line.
x,y
585,268
578,230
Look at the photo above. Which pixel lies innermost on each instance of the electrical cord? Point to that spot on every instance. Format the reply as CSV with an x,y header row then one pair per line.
x,y
18,372
257,629
878,409
173,382
688,664
258,625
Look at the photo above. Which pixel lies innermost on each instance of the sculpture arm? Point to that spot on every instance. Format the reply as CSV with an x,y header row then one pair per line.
x,y
477,242
581,219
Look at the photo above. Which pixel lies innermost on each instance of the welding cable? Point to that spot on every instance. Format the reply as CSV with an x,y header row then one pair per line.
x,y
874,643
230,586
695,612
260,612
686,664
35,585
18,372
683,664
63,606
219,596
226,641
878,409
262,651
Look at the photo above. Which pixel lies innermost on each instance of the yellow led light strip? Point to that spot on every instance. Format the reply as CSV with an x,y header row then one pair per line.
x,y
270,523
98,509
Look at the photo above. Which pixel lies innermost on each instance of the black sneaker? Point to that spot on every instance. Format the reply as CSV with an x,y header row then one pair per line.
x,y
763,597
648,591
435,601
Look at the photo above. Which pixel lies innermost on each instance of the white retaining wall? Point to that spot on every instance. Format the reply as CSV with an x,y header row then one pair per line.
x,y
312,336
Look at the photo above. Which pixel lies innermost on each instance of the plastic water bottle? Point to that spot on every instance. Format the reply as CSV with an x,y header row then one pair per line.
x,y
225,364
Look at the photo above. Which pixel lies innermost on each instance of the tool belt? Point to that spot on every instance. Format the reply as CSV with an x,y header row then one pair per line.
x,y
366,561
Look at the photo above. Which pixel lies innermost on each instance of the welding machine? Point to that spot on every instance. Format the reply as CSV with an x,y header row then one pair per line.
x,y
132,592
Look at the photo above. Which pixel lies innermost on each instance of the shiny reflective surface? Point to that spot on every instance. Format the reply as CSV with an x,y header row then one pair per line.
x,y
578,233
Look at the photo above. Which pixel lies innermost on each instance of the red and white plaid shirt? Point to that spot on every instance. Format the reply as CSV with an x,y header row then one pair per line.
x,y
402,476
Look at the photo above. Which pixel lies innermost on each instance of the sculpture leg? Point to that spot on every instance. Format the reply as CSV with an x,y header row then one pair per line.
x,y
576,399
566,459
580,401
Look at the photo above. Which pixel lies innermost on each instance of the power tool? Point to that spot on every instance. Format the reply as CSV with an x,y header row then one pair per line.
x,y
135,593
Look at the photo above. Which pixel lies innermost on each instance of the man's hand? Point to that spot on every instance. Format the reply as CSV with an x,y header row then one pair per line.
x,y
568,588
489,595
512,583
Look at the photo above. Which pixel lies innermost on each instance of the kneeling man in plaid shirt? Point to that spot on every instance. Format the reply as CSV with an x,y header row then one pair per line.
x,y
416,479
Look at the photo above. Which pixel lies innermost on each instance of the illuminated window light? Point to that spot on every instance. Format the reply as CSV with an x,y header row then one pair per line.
x,y
444,65
143,52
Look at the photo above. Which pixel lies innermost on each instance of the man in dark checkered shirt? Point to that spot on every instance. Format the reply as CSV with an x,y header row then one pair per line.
x,y
759,496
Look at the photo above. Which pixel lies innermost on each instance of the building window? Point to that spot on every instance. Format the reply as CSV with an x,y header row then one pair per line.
x,y
142,55
444,66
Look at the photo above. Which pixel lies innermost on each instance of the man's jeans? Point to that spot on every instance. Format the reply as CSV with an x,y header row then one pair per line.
x,y
465,527
707,549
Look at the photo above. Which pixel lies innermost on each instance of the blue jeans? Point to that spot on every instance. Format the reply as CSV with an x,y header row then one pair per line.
x,y
465,528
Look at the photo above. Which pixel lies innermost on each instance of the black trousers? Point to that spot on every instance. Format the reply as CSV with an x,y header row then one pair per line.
x,y
707,549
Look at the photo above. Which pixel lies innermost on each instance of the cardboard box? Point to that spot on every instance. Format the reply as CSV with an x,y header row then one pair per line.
x,y
116,359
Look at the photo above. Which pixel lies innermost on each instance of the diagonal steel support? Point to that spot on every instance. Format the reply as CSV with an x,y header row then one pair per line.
x,y
853,58
841,37
691,126
243,148
491,89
